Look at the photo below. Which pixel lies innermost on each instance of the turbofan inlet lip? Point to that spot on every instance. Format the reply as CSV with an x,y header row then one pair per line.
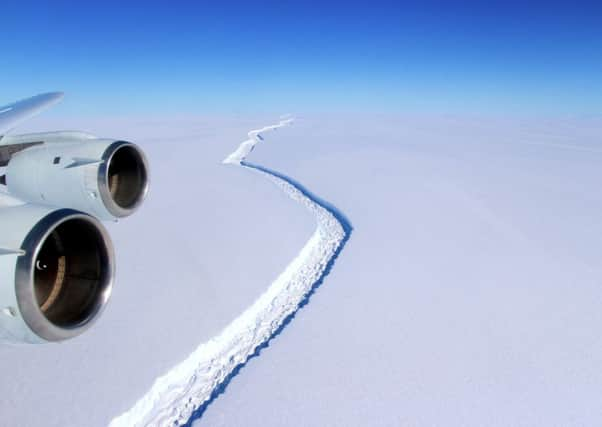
x,y
27,301
103,179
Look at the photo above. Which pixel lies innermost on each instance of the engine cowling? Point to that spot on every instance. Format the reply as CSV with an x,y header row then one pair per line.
x,y
56,273
106,178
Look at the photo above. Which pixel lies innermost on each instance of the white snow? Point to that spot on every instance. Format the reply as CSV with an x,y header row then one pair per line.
x,y
255,136
173,397
470,292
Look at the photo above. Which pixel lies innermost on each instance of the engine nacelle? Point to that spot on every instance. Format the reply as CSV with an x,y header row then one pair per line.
x,y
56,273
106,178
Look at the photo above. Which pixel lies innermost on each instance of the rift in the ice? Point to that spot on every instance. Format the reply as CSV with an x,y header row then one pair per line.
x,y
183,394
347,227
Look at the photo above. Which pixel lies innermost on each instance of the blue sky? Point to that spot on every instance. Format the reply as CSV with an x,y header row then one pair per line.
x,y
428,56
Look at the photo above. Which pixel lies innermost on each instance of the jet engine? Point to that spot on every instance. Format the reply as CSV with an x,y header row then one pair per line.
x,y
56,273
57,264
106,178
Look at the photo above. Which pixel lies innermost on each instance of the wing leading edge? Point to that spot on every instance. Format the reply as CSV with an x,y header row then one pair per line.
x,y
12,115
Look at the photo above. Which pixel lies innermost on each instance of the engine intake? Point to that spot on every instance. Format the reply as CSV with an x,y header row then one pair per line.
x,y
62,279
123,178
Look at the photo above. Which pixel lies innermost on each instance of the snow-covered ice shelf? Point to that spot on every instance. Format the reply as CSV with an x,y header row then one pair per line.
x,y
190,386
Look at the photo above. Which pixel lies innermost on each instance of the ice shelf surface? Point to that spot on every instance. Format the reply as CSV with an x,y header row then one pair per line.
x,y
469,293
175,396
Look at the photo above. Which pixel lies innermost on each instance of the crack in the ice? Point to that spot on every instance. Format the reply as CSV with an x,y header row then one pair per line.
x,y
182,395
221,388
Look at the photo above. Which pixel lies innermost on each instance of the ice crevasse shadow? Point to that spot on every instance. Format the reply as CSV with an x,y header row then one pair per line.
x,y
347,228
183,394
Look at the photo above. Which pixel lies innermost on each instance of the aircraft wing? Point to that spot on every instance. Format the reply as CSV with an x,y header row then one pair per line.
x,y
14,114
